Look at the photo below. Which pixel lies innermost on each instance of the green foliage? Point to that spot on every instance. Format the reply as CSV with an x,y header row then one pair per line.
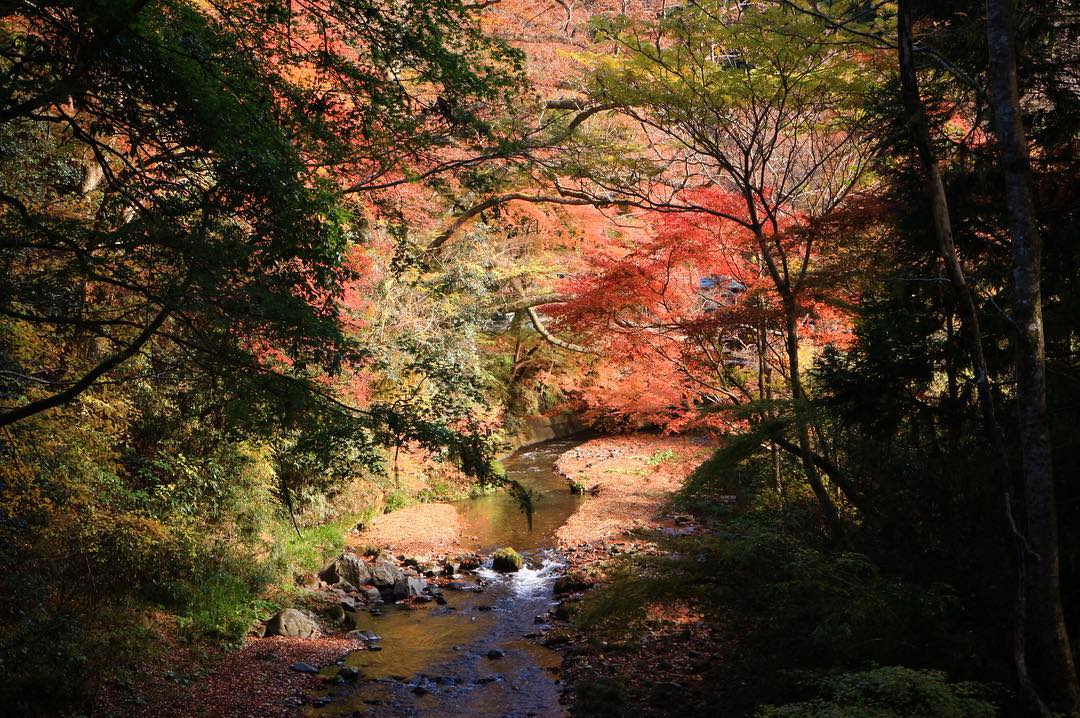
x,y
660,457
892,692
309,550
223,606
796,603
397,499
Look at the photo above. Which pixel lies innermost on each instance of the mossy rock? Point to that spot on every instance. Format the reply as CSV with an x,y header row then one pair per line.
x,y
507,560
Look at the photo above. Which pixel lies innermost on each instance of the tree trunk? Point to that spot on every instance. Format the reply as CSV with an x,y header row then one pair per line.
x,y
920,136
1049,646
802,427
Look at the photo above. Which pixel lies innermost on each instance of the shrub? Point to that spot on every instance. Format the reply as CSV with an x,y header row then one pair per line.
x,y
660,457
396,500
223,606
891,692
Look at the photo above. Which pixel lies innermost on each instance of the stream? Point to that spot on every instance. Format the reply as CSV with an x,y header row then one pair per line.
x,y
435,661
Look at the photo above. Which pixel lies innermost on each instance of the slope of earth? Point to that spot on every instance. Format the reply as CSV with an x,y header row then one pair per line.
x,y
660,661
628,479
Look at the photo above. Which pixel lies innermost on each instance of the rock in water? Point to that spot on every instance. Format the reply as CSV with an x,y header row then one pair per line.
x,y
292,623
408,586
469,562
347,567
384,574
507,560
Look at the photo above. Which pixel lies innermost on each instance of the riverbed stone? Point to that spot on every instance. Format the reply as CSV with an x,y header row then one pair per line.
x,y
292,623
470,561
507,560
349,568
384,574
408,586
333,613
301,667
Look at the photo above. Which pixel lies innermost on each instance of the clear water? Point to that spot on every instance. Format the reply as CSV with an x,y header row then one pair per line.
x,y
434,659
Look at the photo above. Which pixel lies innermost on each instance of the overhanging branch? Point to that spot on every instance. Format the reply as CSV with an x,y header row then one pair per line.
x,y
551,338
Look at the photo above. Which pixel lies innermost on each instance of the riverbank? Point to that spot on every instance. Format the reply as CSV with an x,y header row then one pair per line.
x,y
626,481
428,529
657,663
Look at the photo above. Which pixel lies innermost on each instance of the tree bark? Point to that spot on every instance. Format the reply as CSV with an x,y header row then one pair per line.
x,y
919,130
1049,646
802,427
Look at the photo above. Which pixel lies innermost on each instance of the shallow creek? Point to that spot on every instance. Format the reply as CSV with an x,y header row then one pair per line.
x,y
434,660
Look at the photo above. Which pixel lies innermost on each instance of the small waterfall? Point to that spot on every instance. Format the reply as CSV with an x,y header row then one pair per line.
x,y
534,580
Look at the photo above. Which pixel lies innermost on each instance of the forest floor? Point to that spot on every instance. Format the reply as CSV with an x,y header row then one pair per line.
x,y
186,679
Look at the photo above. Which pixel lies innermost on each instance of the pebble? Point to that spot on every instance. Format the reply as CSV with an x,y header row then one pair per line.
x,y
495,653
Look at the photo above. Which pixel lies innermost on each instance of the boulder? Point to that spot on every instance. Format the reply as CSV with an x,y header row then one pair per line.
x,y
348,568
292,623
408,586
384,574
302,667
371,594
469,561
333,613
507,560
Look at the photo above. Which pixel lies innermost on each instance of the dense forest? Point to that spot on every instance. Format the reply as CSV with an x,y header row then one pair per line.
x,y
278,274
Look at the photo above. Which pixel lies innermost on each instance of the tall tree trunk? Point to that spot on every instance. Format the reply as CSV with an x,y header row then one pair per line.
x,y
919,130
802,426
1050,649
765,394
